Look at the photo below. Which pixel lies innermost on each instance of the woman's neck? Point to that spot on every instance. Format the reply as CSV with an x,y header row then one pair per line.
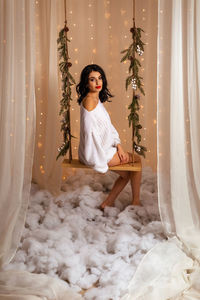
x,y
94,96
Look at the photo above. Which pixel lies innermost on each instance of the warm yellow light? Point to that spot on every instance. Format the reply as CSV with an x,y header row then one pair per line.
x,y
154,121
76,49
94,50
122,12
39,145
107,15
27,119
76,62
41,167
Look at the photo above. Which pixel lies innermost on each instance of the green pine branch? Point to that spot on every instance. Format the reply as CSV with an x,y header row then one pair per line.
x,y
67,82
131,53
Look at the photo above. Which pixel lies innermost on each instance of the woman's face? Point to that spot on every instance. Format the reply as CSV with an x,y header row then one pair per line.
x,y
95,82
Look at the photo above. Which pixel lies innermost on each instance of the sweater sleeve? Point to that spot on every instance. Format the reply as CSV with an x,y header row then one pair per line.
x,y
115,136
94,153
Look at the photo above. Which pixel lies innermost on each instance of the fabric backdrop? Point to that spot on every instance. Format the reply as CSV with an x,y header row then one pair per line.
x,y
98,31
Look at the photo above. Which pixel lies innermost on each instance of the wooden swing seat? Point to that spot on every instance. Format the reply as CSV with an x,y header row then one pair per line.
x,y
75,163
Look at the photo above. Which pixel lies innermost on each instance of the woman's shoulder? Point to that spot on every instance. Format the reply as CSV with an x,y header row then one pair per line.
x,y
89,104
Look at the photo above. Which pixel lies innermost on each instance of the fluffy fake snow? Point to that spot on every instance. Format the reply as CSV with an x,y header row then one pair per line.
x,y
70,238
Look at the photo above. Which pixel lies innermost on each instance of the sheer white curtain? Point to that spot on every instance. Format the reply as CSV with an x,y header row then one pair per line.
x,y
171,270
17,132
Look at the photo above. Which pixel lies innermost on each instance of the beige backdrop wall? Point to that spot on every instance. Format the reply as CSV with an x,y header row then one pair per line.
x,y
98,31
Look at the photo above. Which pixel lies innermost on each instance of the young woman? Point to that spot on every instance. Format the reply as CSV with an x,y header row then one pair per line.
x,y
100,145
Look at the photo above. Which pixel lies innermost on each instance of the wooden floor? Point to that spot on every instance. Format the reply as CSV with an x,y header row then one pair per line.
x,y
75,163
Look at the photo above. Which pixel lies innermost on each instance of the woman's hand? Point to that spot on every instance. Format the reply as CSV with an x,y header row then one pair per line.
x,y
123,156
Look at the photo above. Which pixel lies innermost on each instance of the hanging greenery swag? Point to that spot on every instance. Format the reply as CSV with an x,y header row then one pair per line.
x,y
134,79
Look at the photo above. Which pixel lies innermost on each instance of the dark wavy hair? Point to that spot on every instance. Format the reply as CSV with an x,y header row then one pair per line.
x,y
82,89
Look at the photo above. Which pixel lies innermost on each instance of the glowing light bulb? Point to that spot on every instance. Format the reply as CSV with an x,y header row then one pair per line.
x,y
107,15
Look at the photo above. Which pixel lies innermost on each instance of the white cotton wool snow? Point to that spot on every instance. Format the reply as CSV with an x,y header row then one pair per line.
x,y
87,280
88,248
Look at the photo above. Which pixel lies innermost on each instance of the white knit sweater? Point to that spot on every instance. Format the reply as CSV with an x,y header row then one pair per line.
x,y
98,138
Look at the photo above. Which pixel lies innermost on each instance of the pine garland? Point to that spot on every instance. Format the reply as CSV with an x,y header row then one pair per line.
x,y
136,48
67,82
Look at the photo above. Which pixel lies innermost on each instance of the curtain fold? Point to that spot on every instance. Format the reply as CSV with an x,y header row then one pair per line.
x,y
17,120
171,269
46,170
17,133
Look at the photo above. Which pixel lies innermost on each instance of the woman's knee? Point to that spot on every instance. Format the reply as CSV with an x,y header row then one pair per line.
x,y
137,158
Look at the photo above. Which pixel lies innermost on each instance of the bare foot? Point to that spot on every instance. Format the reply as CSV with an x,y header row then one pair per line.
x,y
106,203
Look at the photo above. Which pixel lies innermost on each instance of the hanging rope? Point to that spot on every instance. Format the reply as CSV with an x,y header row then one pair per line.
x,y
135,49
67,82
